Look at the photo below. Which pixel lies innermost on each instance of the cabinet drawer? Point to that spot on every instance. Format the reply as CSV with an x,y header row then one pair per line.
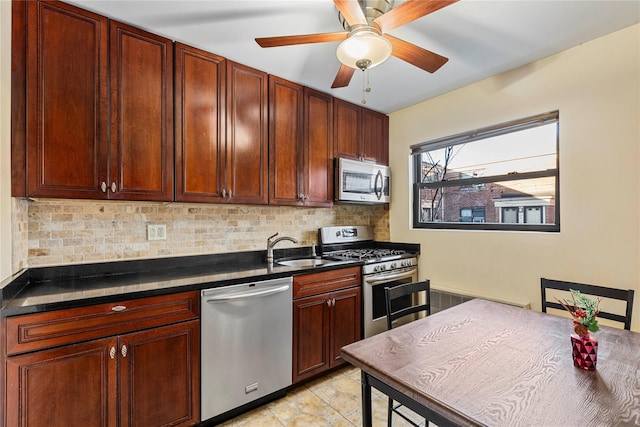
x,y
43,330
317,283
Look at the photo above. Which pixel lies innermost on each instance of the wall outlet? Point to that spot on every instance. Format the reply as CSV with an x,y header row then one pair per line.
x,y
156,232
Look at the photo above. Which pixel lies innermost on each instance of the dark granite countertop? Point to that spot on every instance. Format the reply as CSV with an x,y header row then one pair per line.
x,y
51,288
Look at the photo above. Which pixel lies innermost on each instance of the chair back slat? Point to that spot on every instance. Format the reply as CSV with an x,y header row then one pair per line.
x,y
593,290
394,293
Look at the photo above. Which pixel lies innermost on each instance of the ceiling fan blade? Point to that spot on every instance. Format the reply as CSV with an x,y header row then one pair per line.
x,y
416,55
409,11
343,77
301,39
351,11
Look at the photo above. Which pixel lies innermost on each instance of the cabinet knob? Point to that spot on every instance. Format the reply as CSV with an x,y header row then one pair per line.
x,y
119,308
112,352
124,351
224,193
103,187
113,187
329,302
230,194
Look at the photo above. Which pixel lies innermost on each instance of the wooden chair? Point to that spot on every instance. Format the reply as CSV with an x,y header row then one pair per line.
x,y
598,291
393,294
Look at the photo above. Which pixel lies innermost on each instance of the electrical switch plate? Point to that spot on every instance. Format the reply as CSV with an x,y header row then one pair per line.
x,y
156,232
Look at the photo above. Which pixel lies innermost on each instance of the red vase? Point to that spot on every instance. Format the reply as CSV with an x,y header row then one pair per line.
x,y
585,352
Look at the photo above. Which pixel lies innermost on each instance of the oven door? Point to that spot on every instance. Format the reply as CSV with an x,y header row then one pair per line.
x,y
375,311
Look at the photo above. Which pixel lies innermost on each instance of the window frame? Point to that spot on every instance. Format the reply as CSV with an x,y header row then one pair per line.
x,y
475,135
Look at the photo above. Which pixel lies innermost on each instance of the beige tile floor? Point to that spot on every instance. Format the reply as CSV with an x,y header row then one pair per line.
x,y
333,400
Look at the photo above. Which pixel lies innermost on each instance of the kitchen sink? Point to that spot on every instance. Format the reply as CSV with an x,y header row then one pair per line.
x,y
304,262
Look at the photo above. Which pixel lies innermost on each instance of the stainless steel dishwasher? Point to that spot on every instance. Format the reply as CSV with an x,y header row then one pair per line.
x,y
246,343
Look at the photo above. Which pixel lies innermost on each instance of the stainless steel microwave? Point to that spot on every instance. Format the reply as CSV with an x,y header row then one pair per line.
x,y
362,182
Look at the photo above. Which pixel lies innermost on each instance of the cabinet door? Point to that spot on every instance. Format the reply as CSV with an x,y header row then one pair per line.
x,y
199,124
159,371
285,142
347,127
310,336
247,149
345,321
141,115
318,148
74,385
375,136
67,115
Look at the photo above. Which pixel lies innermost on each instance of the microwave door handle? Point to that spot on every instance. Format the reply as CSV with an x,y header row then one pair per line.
x,y
378,188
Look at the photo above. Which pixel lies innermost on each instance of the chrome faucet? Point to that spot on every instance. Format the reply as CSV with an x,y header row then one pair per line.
x,y
271,243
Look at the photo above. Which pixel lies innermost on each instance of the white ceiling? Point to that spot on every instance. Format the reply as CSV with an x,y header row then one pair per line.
x,y
481,38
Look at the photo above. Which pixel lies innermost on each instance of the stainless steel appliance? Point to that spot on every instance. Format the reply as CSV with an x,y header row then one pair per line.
x,y
385,264
246,344
362,182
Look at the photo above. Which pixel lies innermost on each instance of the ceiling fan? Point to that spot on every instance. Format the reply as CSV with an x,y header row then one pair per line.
x,y
365,42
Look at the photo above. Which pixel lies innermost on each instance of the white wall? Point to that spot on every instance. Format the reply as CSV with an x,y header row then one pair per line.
x,y
596,88
5,139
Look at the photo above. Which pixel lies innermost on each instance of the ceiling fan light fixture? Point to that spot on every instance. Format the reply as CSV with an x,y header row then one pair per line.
x,y
364,44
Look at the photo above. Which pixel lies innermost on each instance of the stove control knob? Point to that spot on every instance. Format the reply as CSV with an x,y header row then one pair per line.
x,y
393,265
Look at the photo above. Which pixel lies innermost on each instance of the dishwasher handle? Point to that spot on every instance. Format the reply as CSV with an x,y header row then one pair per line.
x,y
250,294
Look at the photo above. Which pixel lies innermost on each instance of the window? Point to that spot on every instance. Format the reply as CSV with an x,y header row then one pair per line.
x,y
503,177
472,214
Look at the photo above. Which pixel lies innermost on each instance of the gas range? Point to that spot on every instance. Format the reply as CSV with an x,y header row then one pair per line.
x,y
356,243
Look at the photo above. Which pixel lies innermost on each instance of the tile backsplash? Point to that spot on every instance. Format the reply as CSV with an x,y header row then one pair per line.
x,y
57,232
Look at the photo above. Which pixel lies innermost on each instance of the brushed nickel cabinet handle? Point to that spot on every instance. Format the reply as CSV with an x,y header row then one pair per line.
x,y
124,351
119,308
113,187
230,194
329,302
224,192
103,187
112,352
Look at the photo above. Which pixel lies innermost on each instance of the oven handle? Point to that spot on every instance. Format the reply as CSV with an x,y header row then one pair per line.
x,y
390,277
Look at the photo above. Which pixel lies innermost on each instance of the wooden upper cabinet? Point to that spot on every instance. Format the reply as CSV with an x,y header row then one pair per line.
x,y
375,136
246,135
199,125
66,106
141,146
77,145
346,122
300,145
318,148
360,133
285,142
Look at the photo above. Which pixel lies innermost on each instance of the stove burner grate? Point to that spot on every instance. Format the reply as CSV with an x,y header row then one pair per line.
x,y
362,254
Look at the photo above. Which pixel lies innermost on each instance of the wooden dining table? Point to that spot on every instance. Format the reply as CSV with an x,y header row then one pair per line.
x,y
483,363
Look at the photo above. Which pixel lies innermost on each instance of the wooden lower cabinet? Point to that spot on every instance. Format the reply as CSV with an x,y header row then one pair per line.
x,y
74,385
322,325
148,377
159,383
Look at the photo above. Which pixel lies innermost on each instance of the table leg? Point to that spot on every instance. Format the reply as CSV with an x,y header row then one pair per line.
x,y
367,419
